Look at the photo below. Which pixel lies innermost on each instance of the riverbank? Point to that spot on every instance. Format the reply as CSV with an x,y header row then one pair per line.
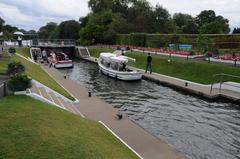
x,y
190,70
146,145
193,88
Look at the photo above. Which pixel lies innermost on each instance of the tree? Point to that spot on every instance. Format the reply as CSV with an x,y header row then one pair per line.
x,y
140,16
162,20
185,23
69,30
236,31
190,28
102,27
1,24
116,6
209,23
9,28
48,31
181,19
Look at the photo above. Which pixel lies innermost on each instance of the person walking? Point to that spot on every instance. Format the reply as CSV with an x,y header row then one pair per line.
x,y
149,63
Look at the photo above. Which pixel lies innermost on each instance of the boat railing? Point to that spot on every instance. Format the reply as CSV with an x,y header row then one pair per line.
x,y
222,80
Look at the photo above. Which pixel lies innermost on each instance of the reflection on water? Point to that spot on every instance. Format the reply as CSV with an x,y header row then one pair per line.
x,y
193,126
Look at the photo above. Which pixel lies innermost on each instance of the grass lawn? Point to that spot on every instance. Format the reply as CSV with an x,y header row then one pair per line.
x,y
3,65
31,129
37,73
23,51
95,52
196,71
4,61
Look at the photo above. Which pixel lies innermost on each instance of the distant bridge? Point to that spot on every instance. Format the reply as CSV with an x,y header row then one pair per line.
x,y
54,43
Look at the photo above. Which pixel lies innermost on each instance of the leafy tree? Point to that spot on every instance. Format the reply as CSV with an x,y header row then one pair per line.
x,y
236,31
163,22
9,28
116,6
1,24
181,19
190,27
185,23
209,23
48,31
68,30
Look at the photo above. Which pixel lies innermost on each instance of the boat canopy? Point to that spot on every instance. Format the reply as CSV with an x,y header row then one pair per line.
x,y
119,59
115,58
106,56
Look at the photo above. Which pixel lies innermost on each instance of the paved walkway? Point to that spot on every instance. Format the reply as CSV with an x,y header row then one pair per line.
x,y
146,145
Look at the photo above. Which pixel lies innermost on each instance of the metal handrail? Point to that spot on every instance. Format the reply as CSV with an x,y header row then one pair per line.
x,y
221,80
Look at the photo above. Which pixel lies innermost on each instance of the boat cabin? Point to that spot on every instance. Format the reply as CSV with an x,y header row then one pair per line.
x,y
118,63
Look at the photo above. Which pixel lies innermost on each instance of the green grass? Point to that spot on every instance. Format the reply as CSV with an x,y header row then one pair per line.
x,y
4,61
3,65
196,71
37,73
31,129
95,52
23,51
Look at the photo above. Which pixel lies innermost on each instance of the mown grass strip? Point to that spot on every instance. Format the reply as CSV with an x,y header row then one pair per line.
x,y
32,129
191,70
23,51
37,73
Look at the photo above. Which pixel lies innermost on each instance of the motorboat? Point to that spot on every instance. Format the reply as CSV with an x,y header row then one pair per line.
x,y
60,60
115,65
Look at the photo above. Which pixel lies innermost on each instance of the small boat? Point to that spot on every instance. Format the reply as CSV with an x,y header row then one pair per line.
x,y
60,60
115,66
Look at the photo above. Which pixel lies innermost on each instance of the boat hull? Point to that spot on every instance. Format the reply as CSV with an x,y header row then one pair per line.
x,y
126,76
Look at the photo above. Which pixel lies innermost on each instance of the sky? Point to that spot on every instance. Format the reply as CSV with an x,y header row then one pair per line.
x,y
32,14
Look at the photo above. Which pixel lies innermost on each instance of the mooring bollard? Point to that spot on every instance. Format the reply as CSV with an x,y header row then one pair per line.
x,y
89,94
186,84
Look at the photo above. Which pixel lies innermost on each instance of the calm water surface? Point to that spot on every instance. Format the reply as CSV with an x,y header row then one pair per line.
x,y
200,129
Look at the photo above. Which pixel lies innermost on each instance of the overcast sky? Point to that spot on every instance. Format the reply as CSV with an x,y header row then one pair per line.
x,y
32,14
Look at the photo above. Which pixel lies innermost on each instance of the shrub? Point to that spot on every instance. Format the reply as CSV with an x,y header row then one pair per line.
x,y
15,68
19,83
138,39
12,50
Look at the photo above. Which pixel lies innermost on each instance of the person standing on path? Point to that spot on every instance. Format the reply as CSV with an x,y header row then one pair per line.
x,y
149,63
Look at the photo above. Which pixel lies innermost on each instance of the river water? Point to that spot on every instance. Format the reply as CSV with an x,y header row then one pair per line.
x,y
195,127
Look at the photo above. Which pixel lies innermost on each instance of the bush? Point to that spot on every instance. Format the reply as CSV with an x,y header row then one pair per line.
x,y
19,83
138,39
12,50
15,68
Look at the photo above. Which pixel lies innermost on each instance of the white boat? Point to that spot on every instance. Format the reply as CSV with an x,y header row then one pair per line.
x,y
115,66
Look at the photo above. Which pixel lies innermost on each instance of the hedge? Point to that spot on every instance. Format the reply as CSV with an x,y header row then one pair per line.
x,y
219,41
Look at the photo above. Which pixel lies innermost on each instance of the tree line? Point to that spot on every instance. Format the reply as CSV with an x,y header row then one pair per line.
x,y
8,31
107,19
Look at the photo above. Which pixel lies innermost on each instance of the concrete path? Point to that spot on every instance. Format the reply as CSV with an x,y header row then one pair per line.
x,y
196,88
146,145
